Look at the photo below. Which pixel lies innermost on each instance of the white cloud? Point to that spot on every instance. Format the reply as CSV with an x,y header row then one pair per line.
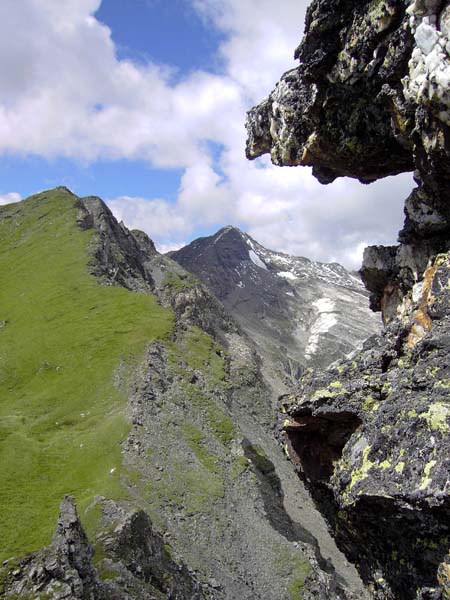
x,y
163,248
262,37
64,92
9,198
157,217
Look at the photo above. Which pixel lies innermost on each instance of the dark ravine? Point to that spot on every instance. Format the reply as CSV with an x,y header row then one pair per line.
x,y
370,436
299,313
201,462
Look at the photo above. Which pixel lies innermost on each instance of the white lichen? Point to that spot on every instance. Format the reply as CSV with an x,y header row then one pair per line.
x,y
428,81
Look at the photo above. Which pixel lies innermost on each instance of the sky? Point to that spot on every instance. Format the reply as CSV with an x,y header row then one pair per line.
x,y
143,102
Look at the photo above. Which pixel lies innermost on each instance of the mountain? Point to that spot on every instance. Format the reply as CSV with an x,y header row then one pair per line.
x,y
299,313
138,457
370,436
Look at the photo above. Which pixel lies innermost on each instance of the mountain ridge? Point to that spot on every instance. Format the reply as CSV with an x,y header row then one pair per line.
x,y
196,457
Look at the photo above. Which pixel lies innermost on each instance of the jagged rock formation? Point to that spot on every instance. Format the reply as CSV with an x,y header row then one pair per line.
x,y
139,564
197,499
299,313
371,437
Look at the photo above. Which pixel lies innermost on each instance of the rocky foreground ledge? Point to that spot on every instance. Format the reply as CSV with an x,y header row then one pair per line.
x,y
370,436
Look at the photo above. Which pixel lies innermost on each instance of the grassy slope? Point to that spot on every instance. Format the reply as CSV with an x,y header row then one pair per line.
x,y
61,417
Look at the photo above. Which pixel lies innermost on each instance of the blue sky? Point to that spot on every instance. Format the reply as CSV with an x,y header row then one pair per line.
x,y
142,102
167,32
170,32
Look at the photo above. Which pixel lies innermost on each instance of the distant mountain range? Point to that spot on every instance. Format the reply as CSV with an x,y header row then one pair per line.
x,y
299,313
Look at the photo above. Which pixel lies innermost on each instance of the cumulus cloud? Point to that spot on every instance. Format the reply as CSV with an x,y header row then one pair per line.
x,y
261,38
9,198
157,215
64,92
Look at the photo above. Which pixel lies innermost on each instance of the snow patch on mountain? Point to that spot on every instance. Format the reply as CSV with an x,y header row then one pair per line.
x,y
256,260
326,319
287,275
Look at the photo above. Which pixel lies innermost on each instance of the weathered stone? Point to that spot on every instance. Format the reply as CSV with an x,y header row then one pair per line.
x,y
354,108
63,570
444,577
138,565
371,439
370,436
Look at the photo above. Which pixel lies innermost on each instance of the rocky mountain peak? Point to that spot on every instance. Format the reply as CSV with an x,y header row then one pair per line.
x,y
228,230
299,312
228,244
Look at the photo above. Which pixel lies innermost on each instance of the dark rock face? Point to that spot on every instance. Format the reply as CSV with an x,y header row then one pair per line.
x,y
370,436
119,256
63,570
298,312
332,113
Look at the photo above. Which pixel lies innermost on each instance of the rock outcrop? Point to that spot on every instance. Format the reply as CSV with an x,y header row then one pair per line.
x,y
63,570
368,100
371,436
138,565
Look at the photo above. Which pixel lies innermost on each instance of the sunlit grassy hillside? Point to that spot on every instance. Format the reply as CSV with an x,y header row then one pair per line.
x,y
62,339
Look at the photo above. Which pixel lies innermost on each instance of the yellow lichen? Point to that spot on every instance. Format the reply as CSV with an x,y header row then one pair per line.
x,y
386,389
440,259
399,467
336,385
436,416
443,384
370,404
319,394
361,472
426,479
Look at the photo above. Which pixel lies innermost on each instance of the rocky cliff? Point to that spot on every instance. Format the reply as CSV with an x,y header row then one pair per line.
x,y
299,313
126,384
370,437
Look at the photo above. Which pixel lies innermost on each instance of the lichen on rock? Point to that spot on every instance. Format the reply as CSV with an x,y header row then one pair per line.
x,y
369,99
374,450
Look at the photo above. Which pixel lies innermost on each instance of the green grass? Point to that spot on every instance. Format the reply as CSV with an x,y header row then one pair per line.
x,y
295,568
197,443
178,283
199,351
202,352
61,416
